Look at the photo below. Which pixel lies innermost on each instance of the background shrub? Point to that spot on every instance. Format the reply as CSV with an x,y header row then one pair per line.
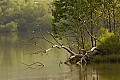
x,y
110,42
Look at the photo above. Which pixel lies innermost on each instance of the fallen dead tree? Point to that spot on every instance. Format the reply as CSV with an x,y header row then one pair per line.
x,y
77,58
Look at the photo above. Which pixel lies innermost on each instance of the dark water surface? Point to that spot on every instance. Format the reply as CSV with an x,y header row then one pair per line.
x,y
14,55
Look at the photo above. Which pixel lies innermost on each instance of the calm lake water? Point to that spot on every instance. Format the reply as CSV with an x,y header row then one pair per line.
x,y
15,54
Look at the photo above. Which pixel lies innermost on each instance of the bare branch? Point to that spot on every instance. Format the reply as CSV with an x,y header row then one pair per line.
x,y
37,52
47,39
62,46
83,22
71,52
54,46
56,39
91,35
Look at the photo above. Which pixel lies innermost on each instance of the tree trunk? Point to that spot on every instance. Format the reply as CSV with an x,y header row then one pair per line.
x,y
91,26
82,40
109,21
95,41
114,21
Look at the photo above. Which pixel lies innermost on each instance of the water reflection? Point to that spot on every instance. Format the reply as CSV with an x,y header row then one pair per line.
x,y
95,75
84,72
12,54
7,48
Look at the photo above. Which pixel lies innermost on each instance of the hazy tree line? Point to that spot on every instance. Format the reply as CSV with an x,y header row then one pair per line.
x,y
88,23
24,15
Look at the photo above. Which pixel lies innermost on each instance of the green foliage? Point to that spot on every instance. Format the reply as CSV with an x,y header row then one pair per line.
x,y
71,17
106,58
32,14
110,42
27,15
98,58
10,27
67,12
